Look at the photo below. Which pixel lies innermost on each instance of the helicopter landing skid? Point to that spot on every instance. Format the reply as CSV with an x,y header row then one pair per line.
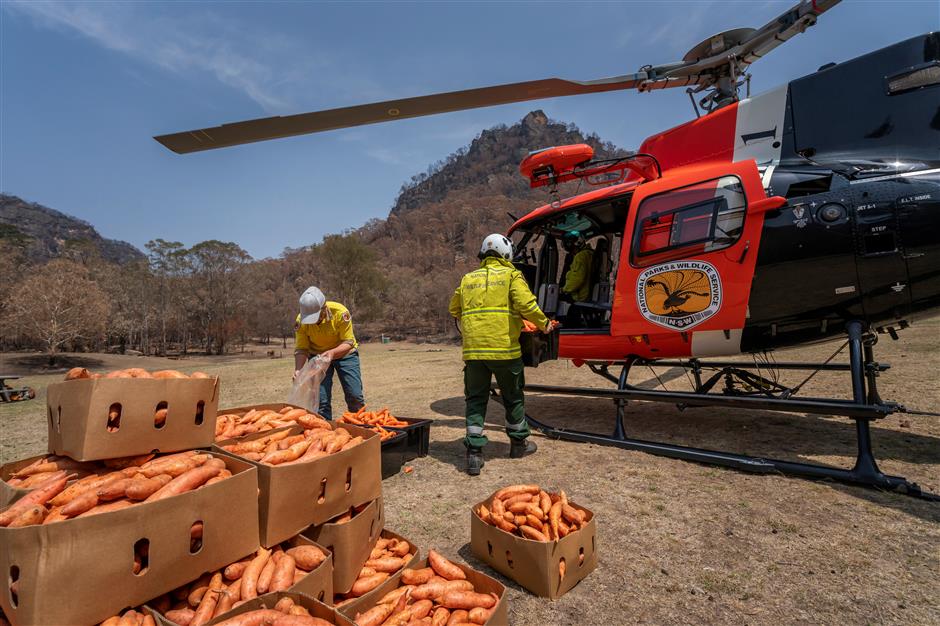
x,y
865,406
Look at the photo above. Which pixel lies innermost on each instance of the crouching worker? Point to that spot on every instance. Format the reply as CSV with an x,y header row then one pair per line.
x,y
325,328
491,303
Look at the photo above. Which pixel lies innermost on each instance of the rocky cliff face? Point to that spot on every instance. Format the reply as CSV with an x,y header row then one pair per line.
x,y
45,234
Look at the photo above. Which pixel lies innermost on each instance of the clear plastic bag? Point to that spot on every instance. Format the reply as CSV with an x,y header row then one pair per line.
x,y
306,390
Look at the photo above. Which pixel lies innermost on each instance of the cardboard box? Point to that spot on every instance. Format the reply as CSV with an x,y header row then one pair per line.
x,y
80,571
535,564
385,534
317,584
481,583
268,600
293,497
350,542
79,425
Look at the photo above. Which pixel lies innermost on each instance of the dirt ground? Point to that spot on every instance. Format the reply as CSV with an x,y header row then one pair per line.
x,y
678,542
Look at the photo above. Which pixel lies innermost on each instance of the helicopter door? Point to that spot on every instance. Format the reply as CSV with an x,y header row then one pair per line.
x,y
685,276
546,276
882,269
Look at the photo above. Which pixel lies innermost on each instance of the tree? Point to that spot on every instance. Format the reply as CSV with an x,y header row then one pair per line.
x,y
167,262
58,304
217,293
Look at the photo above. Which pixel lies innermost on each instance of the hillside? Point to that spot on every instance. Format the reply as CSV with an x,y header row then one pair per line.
x,y
433,232
492,159
45,234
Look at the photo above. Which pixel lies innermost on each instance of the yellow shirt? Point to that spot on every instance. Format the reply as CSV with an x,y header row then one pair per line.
x,y
334,328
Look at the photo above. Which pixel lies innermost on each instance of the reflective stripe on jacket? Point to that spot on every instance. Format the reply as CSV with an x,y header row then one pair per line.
x,y
491,303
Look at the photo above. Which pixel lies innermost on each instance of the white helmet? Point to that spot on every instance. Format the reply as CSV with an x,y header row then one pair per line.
x,y
499,244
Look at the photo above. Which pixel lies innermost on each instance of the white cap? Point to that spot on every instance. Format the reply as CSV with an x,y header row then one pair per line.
x,y
311,302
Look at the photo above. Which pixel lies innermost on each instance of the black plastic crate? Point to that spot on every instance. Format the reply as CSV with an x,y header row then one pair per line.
x,y
394,451
419,436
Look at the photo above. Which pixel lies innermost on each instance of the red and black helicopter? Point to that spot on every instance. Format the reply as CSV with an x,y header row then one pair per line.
x,y
827,187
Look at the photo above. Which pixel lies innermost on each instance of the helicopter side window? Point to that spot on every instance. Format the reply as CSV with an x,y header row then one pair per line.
x,y
703,217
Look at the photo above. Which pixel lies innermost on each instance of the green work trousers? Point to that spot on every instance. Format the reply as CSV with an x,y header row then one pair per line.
x,y
510,378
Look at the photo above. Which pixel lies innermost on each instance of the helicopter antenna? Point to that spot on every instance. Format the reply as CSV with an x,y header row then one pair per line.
x,y
713,65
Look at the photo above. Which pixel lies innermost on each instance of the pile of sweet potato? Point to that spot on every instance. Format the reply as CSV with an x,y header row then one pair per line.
x,y
77,373
232,425
285,613
374,420
438,595
532,512
282,448
217,592
387,557
142,479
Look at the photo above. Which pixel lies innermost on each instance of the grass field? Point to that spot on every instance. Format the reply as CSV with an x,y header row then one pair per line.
x,y
678,542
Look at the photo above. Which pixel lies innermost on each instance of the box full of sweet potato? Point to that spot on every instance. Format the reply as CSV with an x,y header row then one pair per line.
x,y
435,588
537,538
129,412
309,475
122,535
350,536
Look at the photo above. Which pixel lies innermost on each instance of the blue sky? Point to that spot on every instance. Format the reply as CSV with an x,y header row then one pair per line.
x,y
83,87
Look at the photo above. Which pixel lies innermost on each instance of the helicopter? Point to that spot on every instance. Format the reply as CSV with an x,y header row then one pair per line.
x,y
805,214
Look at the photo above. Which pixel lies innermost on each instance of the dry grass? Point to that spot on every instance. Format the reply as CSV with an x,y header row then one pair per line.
x,y
678,542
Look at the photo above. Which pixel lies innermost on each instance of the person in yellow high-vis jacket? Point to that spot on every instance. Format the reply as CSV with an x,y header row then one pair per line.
x,y
578,277
491,303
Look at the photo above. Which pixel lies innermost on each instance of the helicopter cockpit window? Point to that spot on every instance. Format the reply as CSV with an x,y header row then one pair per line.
x,y
699,218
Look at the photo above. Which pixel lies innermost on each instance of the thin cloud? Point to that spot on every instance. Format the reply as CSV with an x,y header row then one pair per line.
x,y
173,44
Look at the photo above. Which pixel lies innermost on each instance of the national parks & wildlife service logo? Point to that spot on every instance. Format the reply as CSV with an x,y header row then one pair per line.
x,y
679,295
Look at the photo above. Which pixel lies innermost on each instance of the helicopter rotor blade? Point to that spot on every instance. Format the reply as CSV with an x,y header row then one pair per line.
x,y
304,123
753,45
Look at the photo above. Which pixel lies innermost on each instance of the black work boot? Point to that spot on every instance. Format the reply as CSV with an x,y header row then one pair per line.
x,y
521,447
474,461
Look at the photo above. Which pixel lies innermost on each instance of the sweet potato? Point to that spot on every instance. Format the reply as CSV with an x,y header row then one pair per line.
x,y
283,573
531,533
355,441
261,617
364,585
459,616
199,375
38,496
440,616
249,588
479,615
236,570
159,417
228,596
512,490
307,557
435,590
183,617
390,564
117,374
375,616
166,374
138,372
142,488
29,517
189,480
311,422
76,373
467,600
107,508
264,579
444,567
81,503
290,454
417,576
209,600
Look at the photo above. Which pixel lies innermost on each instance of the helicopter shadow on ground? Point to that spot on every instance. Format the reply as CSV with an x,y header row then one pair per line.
x,y
39,363
764,434
453,452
